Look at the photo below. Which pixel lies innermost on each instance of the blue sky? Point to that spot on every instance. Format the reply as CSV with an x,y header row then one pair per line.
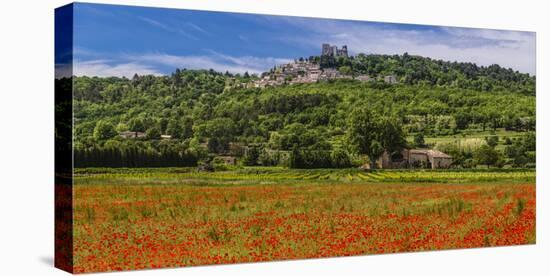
x,y
122,40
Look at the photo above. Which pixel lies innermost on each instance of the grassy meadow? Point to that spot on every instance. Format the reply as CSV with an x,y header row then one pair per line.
x,y
169,217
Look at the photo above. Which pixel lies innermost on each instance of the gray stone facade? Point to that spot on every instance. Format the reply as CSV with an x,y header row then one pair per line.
x,y
333,51
415,158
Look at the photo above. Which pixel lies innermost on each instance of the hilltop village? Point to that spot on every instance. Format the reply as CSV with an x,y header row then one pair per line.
x,y
308,71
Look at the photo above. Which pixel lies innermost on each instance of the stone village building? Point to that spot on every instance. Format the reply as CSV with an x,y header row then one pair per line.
x,y
132,134
307,72
415,158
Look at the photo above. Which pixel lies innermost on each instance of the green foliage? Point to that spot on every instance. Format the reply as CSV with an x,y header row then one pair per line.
x,y
340,159
345,70
210,112
492,141
136,124
520,206
251,156
487,155
308,159
521,151
140,154
104,130
417,70
153,133
371,134
419,140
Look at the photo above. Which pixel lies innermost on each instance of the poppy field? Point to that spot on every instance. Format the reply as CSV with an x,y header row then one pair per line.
x,y
150,218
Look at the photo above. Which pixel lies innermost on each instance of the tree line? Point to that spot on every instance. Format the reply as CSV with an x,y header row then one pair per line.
x,y
326,124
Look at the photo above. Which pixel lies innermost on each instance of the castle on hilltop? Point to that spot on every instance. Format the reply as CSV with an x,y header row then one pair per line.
x,y
310,71
333,51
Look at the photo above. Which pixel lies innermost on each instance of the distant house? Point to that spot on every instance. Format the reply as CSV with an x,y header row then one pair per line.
x,y
363,78
391,79
415,158
131,134
228,160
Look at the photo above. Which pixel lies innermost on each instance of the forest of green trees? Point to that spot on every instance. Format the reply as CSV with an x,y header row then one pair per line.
x,y
336,123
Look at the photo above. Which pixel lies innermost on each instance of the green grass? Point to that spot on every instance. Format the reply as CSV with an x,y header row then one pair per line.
x,y
468,134
273,175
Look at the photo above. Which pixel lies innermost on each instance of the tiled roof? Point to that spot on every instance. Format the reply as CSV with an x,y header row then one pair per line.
x,y
429,152
436,153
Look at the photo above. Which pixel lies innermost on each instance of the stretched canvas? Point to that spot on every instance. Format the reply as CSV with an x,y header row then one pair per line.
x,y
188,137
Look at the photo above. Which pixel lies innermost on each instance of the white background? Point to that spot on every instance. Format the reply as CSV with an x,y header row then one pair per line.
x,y
26,135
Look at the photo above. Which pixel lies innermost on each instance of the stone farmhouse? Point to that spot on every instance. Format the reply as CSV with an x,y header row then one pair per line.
x,y
228,160
305,71
132,134
415,158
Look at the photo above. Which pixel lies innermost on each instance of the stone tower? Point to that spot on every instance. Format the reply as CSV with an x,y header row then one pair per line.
x,y
326,50
344,51
333,51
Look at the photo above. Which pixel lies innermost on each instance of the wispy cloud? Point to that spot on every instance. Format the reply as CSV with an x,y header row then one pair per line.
x,y
256,64
482,46
197,28
160,63
109,68
243,38
167,27
216,61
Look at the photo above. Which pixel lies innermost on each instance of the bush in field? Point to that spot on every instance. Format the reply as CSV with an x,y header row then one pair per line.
x,y
153,133
462,150
468,163
529,142
340,159
487,155
522,151
219,164
492,141
271,158
104,130
419,140
507,141
251,156
309,159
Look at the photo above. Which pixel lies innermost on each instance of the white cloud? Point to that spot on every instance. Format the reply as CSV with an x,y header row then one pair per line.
x,y
106,68
197,28
216,61
482,46
256,64
159,63
190,62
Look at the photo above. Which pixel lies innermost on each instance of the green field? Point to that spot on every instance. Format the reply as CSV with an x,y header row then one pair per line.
x,y
259,175
471,134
